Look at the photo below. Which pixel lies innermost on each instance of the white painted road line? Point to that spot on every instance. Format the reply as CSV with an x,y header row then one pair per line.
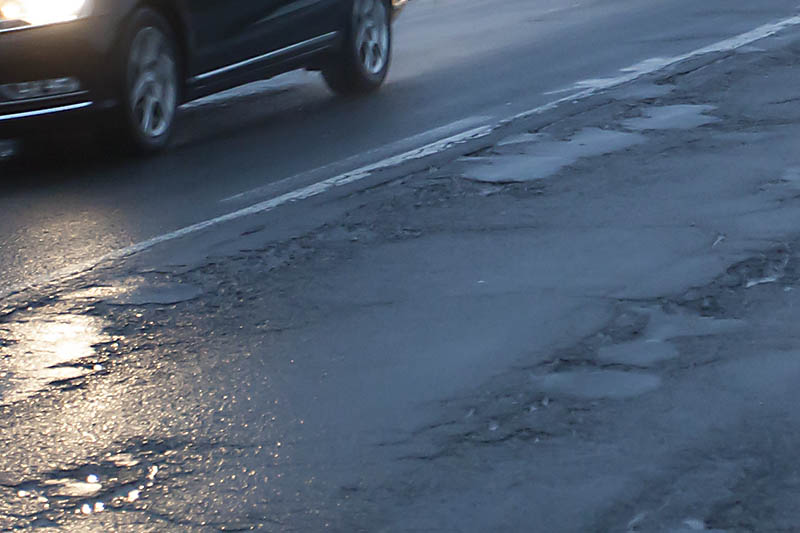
x,y
268,205
655,64
652,65
308,192
595,86
403,145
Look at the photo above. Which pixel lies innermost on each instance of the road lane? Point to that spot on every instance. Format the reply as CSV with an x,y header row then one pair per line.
x,y
454,60
429,357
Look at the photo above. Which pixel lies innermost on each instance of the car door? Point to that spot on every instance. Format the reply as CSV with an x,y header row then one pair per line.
x,y
300,20
226,32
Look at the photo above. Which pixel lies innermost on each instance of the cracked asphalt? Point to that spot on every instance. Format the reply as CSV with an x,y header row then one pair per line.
x,y
590,326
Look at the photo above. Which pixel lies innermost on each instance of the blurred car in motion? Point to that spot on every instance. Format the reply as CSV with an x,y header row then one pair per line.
x,y
133,62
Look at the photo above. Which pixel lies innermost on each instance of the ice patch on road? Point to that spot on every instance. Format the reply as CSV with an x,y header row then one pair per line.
x,y
597,384
673,117
521,161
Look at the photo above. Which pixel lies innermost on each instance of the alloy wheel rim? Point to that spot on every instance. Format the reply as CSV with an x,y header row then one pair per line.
x,y
372,34
153,76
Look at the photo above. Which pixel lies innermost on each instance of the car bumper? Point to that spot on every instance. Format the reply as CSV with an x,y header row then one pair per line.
x,y
81,51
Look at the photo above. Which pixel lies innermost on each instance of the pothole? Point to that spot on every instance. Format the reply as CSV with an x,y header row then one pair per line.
x,y
642,353
672,117
111,484
139,292
641,91
523,159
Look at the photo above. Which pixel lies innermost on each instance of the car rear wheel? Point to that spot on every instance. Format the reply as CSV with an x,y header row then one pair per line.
x,y
150,83
363,62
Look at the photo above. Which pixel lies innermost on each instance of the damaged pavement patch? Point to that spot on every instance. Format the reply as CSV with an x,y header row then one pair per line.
x,y
521,159
672,117
596,384
581,354
139,291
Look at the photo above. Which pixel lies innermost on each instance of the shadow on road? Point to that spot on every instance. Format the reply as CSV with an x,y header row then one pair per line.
x,y
216,131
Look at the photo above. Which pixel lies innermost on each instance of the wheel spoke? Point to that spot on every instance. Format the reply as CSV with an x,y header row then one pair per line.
x,y
375,12
361,37
369,60
364,7
151,46
148,114
165,69
377,53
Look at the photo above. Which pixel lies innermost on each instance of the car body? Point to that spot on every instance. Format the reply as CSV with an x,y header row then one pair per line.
x,y
51,68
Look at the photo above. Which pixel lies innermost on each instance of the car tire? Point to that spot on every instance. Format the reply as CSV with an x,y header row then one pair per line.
x,y
150,83
362,63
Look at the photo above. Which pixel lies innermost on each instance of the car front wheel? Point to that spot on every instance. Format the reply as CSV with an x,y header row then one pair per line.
x,y
150,83
363,62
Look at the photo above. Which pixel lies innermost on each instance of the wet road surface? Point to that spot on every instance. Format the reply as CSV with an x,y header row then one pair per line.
x,y
457,64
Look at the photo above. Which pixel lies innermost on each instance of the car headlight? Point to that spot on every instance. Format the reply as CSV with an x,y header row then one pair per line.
x,y
39,12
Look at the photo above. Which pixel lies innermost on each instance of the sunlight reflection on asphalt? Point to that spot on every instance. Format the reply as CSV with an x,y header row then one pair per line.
x,y
39,349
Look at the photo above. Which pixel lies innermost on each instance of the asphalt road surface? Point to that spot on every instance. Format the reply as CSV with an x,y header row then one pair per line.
x,y
458,63
586,323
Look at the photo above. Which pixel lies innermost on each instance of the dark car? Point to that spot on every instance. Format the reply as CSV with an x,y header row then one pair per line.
x,y
133,62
